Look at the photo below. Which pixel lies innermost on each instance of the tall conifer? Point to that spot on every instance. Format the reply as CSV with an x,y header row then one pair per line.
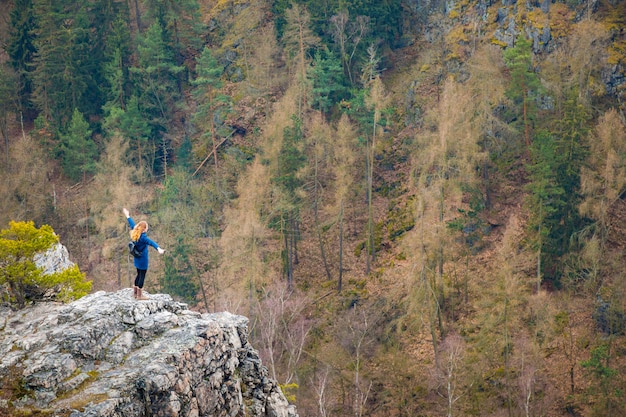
x,y
77,149
21,49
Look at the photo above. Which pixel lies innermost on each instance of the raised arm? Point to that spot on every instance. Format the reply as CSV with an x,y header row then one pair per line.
x,y
130,220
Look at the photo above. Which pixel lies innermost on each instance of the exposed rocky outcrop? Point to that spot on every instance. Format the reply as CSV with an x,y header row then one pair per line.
x,y
56,259
109,355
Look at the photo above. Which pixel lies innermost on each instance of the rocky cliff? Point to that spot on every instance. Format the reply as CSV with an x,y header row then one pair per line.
x,y
110,355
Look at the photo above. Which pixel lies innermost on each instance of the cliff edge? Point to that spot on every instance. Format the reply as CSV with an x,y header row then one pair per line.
x,y
109,355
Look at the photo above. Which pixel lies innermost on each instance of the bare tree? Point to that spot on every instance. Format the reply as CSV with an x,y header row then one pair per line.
x,y
320,383
319,139
348,35
526,383
377,101
342,165
358,335
449,374
282,330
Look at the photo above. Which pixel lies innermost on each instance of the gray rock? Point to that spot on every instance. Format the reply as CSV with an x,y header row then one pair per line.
x,y
110,355
56,259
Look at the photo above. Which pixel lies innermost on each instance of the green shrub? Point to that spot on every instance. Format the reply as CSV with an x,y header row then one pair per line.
x,y
18,272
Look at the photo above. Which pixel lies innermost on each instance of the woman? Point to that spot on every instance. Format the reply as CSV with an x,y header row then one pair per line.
x,y
138,234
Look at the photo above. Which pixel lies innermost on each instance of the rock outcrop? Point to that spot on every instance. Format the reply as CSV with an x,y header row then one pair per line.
x,y
56,259
109,355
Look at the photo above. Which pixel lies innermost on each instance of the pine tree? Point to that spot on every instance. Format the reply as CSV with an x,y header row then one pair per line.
x,y
289,183
555,169
63,74
213,106
77,149
156,77
546,203
180,277
21,49
116,41
133,124
326,76
182,25
604,377
8,102
524,82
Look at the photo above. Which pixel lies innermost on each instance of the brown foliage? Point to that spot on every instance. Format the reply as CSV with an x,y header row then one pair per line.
x,y
26,191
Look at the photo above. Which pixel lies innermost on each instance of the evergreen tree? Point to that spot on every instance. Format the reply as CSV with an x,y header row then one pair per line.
x,y
77,150
116,75
555,170
111,49
188,206
179,277
384,16
184,156
63,67
212,105
290,160
8,101
326,76
21,49
133,124
546,202
524,82
182,25
604,381
182,32
156,76
289,183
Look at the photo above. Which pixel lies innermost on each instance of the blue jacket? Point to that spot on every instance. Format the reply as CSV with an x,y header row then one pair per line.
x,y
143,242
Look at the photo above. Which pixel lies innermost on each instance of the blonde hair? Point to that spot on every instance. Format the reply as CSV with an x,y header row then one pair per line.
x,y
138,230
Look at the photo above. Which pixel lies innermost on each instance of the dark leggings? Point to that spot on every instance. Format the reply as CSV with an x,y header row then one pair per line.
x,y
141,276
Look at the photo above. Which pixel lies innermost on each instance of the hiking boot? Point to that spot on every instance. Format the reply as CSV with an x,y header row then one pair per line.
x,y
140,295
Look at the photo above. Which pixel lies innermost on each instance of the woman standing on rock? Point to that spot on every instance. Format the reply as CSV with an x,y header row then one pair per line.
x,y
138,235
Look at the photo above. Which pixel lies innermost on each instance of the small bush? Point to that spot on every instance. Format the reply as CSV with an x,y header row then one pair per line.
x,y
19,274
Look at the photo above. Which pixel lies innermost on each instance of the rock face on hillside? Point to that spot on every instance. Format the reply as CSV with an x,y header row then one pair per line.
x,y
56,259
109,355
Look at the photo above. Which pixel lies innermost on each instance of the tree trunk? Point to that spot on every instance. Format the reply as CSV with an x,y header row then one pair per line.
x,y
429,293
539,251
317,222
370,250
5,135
340,279
138,16
506,359
525,106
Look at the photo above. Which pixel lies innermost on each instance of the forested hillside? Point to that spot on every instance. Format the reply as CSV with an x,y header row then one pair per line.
x,y
420,205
